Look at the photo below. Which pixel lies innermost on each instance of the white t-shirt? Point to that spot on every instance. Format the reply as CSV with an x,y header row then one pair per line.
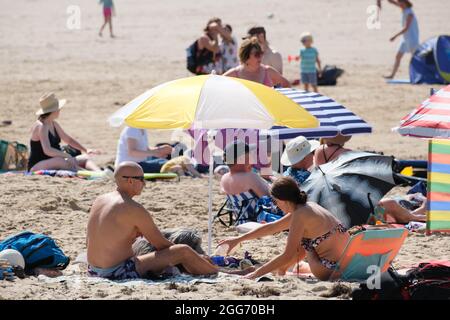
x,y
140,135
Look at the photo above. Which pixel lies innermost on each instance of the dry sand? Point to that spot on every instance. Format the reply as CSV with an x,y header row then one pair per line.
x,y
39,53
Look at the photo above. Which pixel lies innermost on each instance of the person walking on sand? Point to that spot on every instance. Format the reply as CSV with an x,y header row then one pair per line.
x,y
116,220
108,11
410,32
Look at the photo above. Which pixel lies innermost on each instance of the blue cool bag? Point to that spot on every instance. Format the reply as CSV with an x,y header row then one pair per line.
x,y
38,250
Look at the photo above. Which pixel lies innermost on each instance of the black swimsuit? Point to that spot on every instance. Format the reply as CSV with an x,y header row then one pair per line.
x,y
37,154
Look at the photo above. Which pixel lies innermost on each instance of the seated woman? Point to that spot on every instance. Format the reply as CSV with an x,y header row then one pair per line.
x,y
313,233
251,68
330,149
405,209
46,136
133,146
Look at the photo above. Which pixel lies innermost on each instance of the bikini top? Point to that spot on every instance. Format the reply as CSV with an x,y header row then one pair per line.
x,y
311,244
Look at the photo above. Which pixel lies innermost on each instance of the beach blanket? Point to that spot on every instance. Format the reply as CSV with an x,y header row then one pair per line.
x,y
182,278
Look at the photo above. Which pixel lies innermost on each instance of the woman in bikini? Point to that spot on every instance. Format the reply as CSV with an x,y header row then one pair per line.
x,y
313,233
251,68
46,136
330,149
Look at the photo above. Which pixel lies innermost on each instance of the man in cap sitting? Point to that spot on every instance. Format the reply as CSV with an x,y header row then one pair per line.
x,y
116,220
241,178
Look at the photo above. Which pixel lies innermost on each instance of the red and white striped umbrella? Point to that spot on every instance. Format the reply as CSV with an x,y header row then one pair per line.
x,y
431,119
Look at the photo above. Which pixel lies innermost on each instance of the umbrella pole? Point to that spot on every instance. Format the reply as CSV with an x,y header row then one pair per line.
x,y
211,169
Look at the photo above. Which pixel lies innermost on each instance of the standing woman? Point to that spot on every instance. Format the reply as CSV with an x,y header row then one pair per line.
x,y
251,68
46,136
410,32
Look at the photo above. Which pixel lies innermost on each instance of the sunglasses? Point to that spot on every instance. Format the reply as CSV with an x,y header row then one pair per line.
x,y
140,178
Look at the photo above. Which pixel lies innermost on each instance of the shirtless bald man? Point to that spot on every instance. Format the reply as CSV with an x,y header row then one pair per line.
x,y
116,220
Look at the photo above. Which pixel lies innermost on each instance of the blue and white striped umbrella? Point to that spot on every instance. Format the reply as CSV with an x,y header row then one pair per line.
x,y
334,118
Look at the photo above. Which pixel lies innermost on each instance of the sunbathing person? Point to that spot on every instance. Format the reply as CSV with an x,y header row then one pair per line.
x,y
46,136
405,209
313,233
330,149
116,220
133,146
299,156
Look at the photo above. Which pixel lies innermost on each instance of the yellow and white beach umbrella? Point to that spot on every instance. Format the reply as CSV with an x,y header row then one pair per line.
x,y
212,102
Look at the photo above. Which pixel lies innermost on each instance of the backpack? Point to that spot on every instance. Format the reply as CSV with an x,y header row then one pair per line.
x,y
191,58
428,281
329,76
38,250
13,156
196,59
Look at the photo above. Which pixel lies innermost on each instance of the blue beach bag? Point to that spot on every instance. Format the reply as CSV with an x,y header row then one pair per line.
x,y
38,250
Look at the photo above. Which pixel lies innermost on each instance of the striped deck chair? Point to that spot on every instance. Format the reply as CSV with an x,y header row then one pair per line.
x,y
239,208
368,248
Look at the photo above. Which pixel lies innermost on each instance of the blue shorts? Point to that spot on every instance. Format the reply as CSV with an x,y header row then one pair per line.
x,y
123,271
152,165
309,77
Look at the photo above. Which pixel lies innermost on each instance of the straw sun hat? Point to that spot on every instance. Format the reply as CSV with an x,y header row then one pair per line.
x,y
49,103
297,149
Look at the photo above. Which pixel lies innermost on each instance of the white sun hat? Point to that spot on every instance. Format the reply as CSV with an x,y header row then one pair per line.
x,y
297,149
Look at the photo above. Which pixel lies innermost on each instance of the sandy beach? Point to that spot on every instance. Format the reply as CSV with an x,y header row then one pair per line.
x,y
38,53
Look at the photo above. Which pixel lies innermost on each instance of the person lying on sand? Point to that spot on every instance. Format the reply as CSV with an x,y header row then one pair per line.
x,y
313,233
46,136
405,209
116,220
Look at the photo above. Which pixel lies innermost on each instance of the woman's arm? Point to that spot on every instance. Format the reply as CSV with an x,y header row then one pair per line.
x,y
267,229
159,152
394,2
68,139
408,24
296,230
277,78
211,45
46,147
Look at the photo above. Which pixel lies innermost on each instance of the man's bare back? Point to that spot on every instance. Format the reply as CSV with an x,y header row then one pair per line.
x,y
111,231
